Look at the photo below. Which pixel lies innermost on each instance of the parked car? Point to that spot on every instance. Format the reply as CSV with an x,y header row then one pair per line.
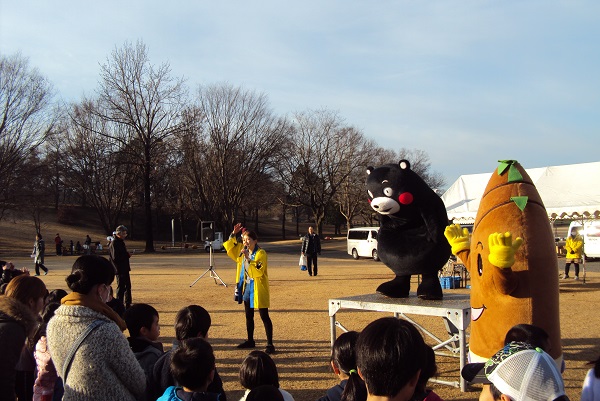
x,y
217,244
362,242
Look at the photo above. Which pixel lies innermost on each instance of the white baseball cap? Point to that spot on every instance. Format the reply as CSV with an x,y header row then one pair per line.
x,y
521,371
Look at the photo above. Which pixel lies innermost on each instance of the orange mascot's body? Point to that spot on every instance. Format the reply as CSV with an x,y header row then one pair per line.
x,y
512,281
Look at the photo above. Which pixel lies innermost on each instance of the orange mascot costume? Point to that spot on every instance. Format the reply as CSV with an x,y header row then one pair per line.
x,y
513,272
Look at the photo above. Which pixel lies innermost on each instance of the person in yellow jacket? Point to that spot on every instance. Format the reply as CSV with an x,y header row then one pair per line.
x,y
252,282
574,248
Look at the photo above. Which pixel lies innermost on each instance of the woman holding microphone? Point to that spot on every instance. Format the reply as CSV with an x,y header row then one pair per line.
x,y
252,281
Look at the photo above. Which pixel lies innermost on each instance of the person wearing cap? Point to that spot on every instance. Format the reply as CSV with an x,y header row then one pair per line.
x,y
119,258
518,372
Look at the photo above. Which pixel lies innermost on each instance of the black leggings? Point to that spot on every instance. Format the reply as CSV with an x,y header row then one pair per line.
x,y
264,315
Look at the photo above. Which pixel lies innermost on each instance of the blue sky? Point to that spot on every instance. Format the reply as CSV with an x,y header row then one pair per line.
x,y
468,82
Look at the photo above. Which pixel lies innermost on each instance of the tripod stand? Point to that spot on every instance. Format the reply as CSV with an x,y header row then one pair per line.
x,y
211,270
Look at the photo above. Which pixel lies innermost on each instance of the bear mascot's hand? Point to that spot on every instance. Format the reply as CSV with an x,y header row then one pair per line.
x,y
457,237
502,249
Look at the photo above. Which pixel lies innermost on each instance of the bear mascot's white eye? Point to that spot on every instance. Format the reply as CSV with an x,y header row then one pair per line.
x,y
388,191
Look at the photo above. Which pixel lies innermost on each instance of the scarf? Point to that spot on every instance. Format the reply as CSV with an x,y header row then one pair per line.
x,y
77,299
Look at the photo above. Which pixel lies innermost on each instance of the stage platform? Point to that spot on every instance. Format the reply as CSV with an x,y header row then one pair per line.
x,y
454,309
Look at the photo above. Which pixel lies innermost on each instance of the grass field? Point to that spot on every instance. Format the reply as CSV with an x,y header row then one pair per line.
x,y
299,307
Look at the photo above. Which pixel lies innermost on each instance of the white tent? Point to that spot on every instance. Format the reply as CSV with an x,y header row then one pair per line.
x,y
571,191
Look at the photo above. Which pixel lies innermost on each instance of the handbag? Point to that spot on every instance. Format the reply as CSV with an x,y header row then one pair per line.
x,y
302,263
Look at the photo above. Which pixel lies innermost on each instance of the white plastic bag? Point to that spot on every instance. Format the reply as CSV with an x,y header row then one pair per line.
x,y
302,262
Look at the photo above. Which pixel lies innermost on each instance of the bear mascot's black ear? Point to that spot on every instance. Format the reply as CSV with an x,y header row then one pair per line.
x,y
404,164
370,170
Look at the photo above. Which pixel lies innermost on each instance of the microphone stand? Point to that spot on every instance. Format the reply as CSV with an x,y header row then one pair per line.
x,y
211,270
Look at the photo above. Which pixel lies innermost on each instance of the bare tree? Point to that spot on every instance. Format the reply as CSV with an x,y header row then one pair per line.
x,y
420,164
321,155
97,166
229,155
149,103
26,116
352,194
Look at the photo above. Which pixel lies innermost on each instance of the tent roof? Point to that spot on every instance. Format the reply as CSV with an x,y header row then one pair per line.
x,y
571,191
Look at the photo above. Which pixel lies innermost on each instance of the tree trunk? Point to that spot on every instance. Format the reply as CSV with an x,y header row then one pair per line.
x,y
148,205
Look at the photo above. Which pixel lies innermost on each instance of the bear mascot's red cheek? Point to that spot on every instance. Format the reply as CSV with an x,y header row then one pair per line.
x,y
405,198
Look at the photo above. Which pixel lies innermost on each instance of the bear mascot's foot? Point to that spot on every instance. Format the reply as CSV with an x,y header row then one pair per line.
x,y
430,287
397,288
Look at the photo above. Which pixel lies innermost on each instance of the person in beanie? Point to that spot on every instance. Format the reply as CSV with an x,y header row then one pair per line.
x,y
119,257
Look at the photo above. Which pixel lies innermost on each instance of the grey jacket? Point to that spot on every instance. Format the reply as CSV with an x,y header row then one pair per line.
x,y
104,367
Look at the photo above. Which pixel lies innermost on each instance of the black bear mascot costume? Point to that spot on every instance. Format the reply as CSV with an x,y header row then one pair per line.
x,y
411,235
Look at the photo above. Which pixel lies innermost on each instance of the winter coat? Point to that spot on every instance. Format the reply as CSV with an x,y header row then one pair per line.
x,y
257,271
119,256
178,394
46,372
162,379
573,246
146,352
17,322
104,367
39,248
311,244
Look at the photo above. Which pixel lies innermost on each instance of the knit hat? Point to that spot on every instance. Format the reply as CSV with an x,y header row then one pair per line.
x,y
520,371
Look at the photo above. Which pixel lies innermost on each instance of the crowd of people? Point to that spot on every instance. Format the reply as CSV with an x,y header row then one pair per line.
x,y
61,345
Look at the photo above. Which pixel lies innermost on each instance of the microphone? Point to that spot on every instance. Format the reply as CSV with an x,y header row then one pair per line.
x,y
241,253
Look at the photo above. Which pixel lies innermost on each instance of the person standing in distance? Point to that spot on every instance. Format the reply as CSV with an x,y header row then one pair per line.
x,y
311,247
252,272
119,257
39,250
574,248
58,242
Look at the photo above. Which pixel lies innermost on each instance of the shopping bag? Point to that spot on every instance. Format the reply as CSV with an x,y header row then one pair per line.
x,y
302,262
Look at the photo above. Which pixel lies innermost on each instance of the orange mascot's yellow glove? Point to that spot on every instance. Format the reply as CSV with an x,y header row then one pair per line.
x,y
502,249
457,237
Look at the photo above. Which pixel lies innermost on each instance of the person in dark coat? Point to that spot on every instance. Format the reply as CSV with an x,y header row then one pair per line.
x,y
19,309
119,257
9,272
311,247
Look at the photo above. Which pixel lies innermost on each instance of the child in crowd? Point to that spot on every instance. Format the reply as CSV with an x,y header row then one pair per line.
x,y
591,384
533,335
265,393
114,303
144,330
430,370
343,362
193,367
519,371
258,369
55,296
47,384
530,334
191,321
390,354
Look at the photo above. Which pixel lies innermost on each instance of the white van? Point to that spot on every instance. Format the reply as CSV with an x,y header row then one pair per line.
x,y
362,242
591,236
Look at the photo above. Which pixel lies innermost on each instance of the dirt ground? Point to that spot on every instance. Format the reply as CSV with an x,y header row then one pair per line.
x,y
299,310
